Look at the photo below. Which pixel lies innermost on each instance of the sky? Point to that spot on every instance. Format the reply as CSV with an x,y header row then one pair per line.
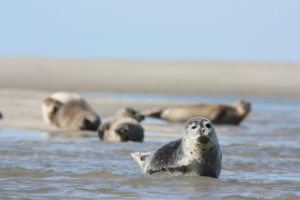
x,y
211,30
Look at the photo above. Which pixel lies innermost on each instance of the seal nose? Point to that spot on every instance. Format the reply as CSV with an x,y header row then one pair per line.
x,y
202,131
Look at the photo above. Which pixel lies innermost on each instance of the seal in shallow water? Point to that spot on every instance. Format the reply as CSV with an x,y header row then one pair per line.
x,y
197,151
216,113
122,127
74,115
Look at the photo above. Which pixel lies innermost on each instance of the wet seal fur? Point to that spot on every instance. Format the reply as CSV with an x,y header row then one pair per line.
x,y
198,151
216,113
122,127
72,116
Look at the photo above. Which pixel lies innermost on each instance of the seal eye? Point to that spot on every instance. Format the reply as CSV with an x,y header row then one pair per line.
x,y
133,112
208,125
193,127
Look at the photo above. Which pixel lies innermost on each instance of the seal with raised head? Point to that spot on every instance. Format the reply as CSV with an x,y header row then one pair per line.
x,y
216,113
74,115
130,112
198,151
122,127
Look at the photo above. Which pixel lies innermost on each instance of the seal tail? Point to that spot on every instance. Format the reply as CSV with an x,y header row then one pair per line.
x,y
155,112
140,158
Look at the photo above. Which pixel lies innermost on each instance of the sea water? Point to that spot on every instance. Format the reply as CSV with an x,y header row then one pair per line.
x,y
261,159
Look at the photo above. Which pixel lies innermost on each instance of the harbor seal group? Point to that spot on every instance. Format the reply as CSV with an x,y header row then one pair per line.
x,y
216,113
198,151
74,115
122,127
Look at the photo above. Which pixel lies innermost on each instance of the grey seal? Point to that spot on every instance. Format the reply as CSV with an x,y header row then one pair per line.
x,y
122,127
74,115
216,113
198,151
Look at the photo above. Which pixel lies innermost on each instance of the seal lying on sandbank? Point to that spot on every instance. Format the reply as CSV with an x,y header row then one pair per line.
x,y
63,98
124,126
197,151
216,113
130,112
74,115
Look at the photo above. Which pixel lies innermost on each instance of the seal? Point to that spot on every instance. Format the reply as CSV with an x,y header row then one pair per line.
x,y
130,112
216,113
198,151
122,127
63,98
74,115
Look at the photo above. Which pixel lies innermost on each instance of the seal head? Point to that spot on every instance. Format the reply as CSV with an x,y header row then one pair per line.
x,y
130,112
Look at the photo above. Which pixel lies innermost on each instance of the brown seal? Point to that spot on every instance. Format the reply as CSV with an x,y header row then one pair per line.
x,y
74,115
124,126
130,112
216,113
63,98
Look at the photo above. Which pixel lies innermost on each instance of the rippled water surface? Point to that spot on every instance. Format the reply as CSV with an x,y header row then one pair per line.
x,y
261,159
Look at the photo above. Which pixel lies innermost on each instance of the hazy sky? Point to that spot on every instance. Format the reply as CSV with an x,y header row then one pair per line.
x,y
222,30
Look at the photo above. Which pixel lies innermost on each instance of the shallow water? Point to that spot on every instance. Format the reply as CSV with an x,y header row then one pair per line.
x,y
261,159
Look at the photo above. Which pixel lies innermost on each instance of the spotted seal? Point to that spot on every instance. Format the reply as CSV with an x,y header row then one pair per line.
x,y
216,113
198,151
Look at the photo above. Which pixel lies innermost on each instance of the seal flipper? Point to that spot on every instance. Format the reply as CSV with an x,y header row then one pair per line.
x,y
140,158
156,112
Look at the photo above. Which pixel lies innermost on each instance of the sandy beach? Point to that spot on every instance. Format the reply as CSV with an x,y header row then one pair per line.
x,y
26,82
